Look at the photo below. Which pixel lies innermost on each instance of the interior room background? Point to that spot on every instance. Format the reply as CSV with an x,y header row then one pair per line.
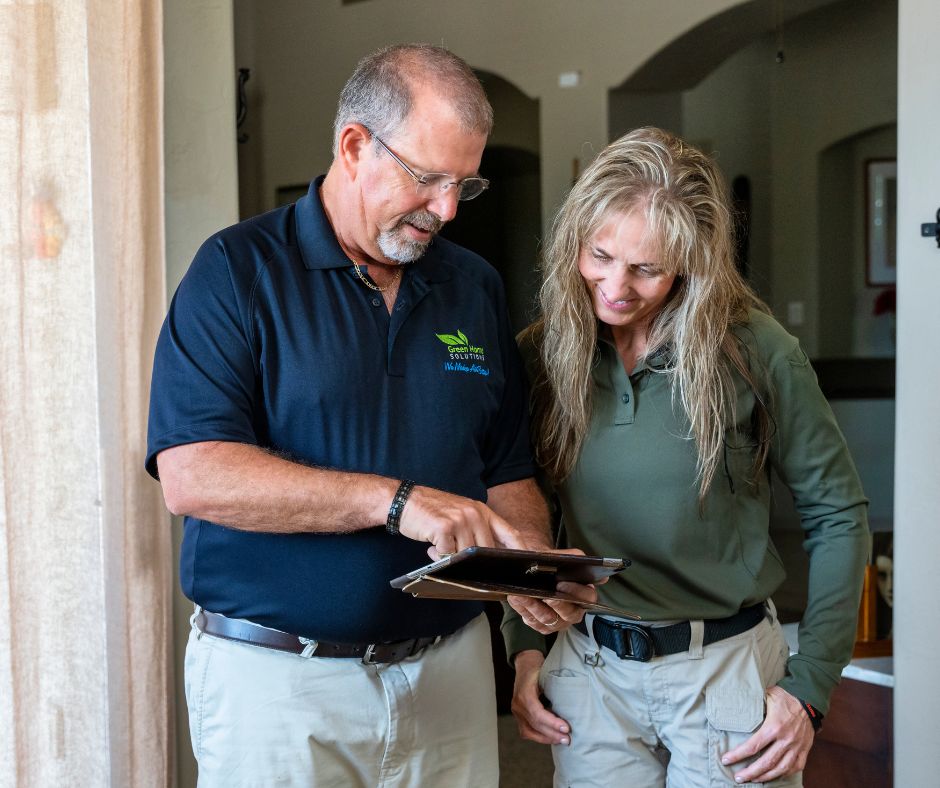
x,y
118,122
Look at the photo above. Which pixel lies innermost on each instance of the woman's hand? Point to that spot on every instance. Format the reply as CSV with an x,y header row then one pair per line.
x,y
784,740
553,615
535,721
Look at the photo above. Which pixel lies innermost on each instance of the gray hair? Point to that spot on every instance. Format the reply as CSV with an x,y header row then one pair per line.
x,y
378,94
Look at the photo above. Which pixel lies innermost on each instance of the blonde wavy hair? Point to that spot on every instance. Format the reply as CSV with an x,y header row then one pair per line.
x,y
682,195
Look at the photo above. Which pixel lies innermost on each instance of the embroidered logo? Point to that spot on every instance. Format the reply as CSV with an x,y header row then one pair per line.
x,y
460,351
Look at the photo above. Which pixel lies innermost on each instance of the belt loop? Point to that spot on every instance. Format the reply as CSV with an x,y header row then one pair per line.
x,y
310,647
771,610
588,623
696,639
192,620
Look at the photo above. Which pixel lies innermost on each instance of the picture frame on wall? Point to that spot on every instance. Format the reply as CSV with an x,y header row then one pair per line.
x,y
881,188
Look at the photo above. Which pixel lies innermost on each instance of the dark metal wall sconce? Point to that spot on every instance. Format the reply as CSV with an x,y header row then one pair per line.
x,y
241,107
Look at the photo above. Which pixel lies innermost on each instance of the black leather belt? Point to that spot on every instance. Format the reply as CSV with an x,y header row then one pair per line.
x,y
632,641
246,632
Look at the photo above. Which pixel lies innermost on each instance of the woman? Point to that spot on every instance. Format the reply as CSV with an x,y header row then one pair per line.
x,y
663,395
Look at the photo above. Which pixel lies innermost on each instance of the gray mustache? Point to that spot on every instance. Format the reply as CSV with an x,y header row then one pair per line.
x,y
424,220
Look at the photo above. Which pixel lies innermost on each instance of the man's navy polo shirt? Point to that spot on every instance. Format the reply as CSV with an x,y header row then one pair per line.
x,y
272,340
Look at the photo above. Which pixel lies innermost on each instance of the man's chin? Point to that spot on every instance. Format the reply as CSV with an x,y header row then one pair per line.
x,y
402,250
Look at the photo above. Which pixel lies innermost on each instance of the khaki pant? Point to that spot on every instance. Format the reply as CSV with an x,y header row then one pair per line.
x,y
665,722
260,717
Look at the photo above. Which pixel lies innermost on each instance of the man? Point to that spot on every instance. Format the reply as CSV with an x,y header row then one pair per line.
x,y
336,392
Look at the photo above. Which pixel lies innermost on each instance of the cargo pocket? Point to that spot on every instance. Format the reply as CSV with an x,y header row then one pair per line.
x,y
734,712
565,686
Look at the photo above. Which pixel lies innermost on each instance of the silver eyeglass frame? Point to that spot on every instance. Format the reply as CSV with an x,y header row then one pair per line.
x,y
430,179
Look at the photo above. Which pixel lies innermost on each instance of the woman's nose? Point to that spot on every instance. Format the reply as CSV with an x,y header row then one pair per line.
x,y
620,282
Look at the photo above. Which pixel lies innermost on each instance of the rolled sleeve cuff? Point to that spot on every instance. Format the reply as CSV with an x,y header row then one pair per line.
x,y
195,433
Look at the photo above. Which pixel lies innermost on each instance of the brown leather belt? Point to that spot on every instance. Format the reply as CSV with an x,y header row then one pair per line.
x,y
245,632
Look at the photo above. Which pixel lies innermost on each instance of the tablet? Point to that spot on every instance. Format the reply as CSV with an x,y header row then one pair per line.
x,y
495,573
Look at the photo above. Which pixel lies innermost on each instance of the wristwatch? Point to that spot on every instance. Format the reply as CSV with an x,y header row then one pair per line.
x,y
813,713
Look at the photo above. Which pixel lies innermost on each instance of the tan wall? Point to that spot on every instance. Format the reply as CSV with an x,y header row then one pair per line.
x,y
773,122
729,114
301,54
765,120
839,79
516,114
832,86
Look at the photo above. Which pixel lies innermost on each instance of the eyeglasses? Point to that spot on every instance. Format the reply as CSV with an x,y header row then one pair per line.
x,y
467,189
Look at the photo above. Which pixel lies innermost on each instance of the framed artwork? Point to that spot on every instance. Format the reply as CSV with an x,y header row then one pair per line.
x,y
881,210
883,559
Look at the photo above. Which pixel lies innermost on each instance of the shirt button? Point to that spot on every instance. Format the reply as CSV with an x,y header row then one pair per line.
x,y
625,398
376,302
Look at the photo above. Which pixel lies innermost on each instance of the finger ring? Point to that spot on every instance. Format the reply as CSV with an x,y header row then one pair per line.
x,y
552,623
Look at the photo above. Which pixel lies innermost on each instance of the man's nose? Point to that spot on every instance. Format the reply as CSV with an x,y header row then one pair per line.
x,y
444,204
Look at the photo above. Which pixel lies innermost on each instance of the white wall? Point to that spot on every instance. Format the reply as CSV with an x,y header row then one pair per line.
x,y
201,198
917,480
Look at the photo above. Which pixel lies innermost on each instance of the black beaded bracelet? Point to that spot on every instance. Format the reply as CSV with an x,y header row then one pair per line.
x,y
398,505
815,717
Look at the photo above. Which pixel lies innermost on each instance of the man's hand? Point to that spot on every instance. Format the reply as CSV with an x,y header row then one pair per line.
x,y
452,523
535,722
784,739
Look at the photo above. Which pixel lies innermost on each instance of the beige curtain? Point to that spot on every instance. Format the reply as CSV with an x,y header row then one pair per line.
x,y
85,559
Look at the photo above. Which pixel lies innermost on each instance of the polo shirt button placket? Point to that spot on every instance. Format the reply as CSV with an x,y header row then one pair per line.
x,y
376,301
624,411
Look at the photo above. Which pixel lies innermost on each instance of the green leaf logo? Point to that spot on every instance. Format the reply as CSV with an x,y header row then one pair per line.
x,y
450,339
463,337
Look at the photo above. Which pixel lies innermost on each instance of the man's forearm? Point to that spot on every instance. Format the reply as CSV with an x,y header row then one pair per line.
x,y
245,487
522,504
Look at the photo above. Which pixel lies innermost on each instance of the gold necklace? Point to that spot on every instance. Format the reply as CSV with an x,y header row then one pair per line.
x,y
369,284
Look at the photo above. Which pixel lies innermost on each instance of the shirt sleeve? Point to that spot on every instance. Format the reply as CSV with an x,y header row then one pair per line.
x,y
518,636
204,370
809,453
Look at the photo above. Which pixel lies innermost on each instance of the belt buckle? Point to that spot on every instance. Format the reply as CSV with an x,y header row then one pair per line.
x,y
639,641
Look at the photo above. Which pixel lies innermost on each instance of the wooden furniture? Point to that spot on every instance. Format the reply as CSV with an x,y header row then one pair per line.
x,y
854,749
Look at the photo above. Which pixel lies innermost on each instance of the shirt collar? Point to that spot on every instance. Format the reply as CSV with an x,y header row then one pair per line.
x,y
656,362
320,250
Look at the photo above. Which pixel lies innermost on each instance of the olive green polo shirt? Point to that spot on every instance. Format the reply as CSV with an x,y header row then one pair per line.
x,y
633,493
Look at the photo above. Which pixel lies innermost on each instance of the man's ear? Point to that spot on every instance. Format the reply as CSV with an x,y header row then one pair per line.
x,y
354,140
